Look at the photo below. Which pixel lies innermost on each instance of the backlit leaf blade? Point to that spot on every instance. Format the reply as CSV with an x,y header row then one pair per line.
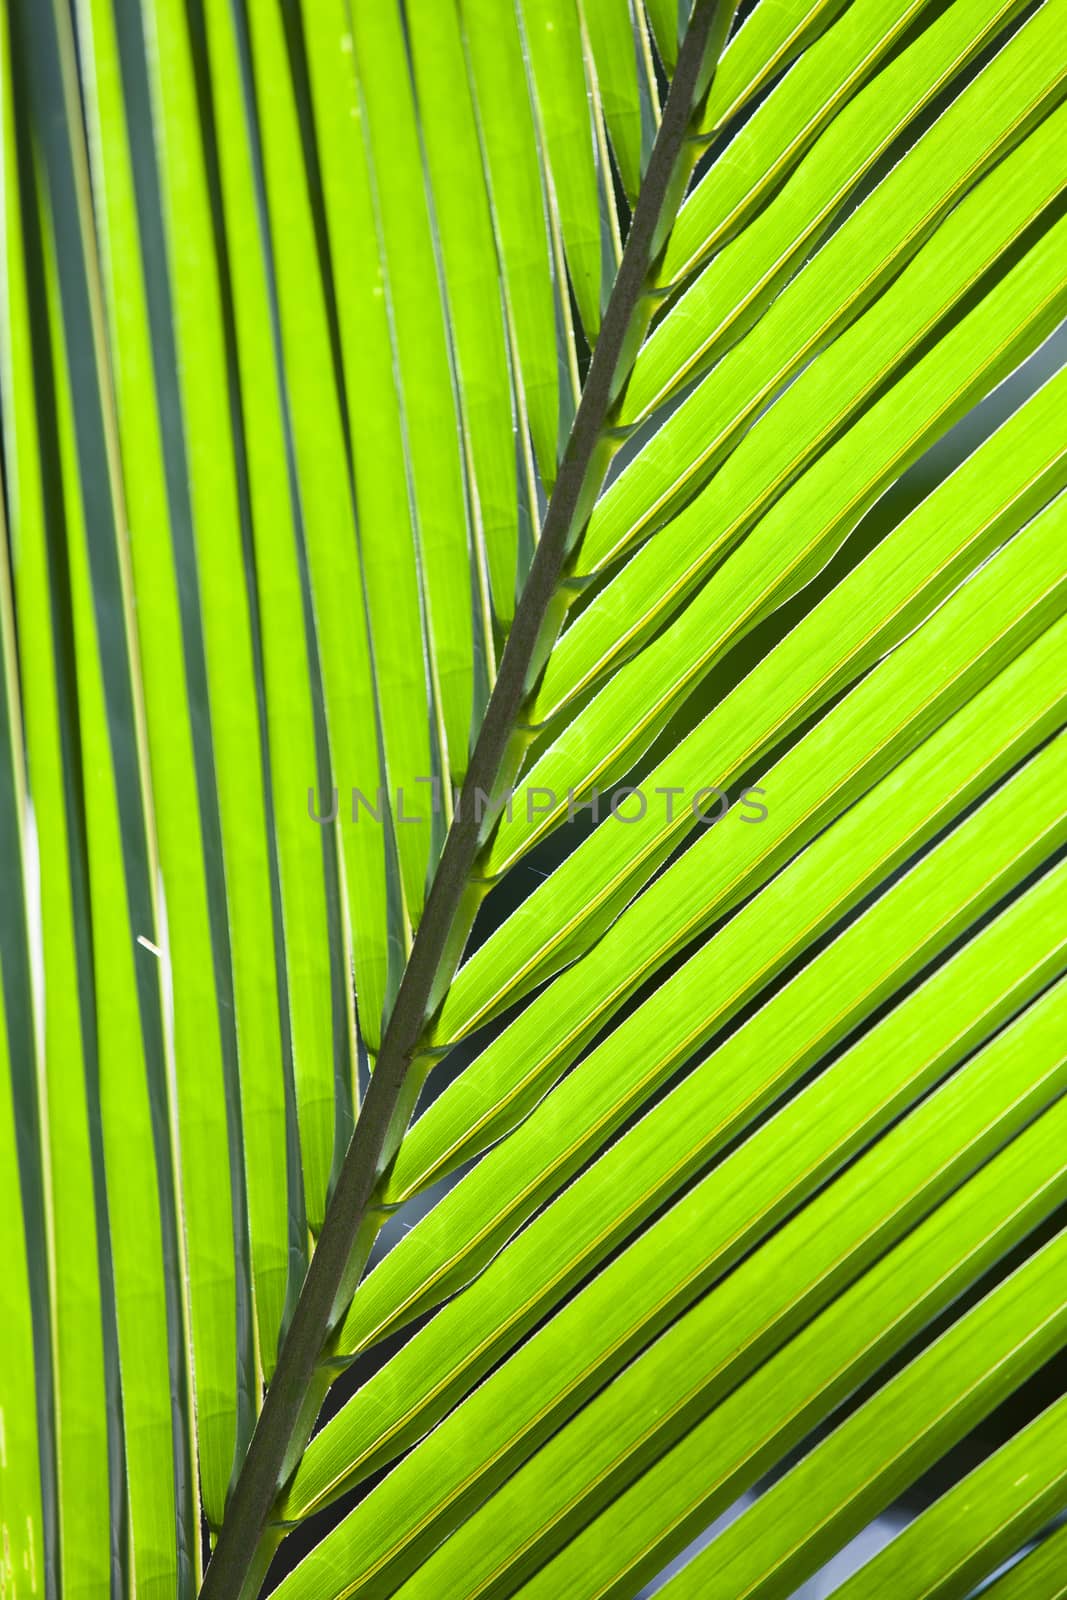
x,y
471,274
222,619
547,1043
328,402
57,932
316,958
716,309
551,31
851,1103
767,40
406,1515
788,547
663,15
993,1383
758,1422
782,127
616,855
741,1076
615,54
425,379
497,76
182,895
886,1443
820,402
516,1069
27,1482
344,612
979,1523
133,1110
1041,1575
21,1520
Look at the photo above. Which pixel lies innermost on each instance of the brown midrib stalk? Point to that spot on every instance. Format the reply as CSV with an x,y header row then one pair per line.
x,y
239,1560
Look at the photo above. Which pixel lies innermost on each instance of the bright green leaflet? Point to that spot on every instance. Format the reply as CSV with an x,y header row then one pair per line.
x,y
304,860
581,1467
77,1353
553,41
768,38
761,1419
663,1152
21,1520
23,1465
292,305
133,1213
885,1445
425,379
976,1525
192,1043
464,225
791,539
729,294
551,922
329,517
663,15
380,930
787,549
516,1068
783,127
236,735
615,55
1042,1575
513,176
507,1416
823,399
737,1081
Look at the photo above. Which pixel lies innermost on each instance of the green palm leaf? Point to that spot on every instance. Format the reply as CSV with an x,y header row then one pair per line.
x,y
534,559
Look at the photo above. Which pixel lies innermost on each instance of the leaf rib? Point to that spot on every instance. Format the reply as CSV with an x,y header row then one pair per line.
x,y
285,1416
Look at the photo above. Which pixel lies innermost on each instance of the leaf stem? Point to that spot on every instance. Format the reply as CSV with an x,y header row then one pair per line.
x,y
285,1421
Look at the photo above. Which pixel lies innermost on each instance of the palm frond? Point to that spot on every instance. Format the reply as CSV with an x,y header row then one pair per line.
x,y
534,560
